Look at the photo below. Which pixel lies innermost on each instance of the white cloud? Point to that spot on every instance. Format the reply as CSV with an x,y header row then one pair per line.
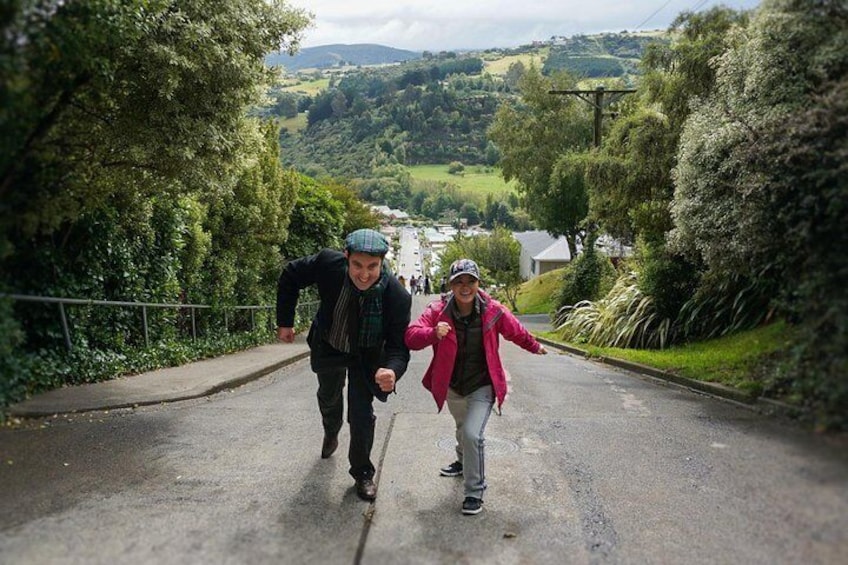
x,y
456,24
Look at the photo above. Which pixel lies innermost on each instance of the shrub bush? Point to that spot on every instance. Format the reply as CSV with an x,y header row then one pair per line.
x,y
590,276
667,278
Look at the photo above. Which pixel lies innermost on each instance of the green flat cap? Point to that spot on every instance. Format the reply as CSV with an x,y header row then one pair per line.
x,y
366,241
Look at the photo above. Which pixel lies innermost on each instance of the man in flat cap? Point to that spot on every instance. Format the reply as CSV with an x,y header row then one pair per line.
x,y
358,331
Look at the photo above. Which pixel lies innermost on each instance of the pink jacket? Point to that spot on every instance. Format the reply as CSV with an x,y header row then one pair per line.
x,y
496,320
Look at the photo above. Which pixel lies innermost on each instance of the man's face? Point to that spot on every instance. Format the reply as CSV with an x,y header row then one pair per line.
x,y
364,269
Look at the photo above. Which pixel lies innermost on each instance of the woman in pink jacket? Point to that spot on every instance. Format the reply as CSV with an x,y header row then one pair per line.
x,y
463,327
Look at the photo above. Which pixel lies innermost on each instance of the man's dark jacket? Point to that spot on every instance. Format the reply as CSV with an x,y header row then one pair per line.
x,y
327,270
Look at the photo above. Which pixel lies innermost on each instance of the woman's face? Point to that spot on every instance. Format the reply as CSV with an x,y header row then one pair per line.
x,y
464,288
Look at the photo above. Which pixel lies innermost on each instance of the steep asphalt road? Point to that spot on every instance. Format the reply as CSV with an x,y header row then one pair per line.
x,y
586,464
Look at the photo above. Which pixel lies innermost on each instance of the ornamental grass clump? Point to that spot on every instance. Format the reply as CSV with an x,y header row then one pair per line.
x,y
626,317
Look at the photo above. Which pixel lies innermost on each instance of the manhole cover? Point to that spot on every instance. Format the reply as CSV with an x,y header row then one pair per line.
x,y
494,445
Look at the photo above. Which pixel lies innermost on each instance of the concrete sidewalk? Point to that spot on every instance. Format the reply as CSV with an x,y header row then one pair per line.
x,y
192,380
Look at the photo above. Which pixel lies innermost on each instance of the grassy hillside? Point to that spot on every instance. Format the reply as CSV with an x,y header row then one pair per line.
x,y
476,179
327,56
307,88
499,66
535,294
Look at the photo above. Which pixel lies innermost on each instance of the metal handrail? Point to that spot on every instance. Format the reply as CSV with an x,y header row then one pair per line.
x,y
144,306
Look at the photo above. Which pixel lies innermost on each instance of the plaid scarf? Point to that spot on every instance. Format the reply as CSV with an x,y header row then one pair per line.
x,y
362,308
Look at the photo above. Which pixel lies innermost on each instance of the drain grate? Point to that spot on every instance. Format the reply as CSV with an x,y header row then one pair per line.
x,y
494,446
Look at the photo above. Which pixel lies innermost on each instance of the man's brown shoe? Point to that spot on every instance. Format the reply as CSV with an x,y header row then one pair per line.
x,y
366,489
329,446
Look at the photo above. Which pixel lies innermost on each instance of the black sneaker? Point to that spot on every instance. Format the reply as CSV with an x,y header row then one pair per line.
x,y
452,470
472,505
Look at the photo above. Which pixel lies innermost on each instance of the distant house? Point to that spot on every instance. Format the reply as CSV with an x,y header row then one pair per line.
x,y
389,231
389,213
540,253
613,248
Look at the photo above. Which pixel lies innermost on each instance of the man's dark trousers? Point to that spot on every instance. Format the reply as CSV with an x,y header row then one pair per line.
x,y
360,414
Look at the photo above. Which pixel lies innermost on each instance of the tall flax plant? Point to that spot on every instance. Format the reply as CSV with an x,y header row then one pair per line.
x,y
724,305
625,317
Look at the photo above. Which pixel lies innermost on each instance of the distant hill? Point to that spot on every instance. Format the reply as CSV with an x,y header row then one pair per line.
x,y
326,56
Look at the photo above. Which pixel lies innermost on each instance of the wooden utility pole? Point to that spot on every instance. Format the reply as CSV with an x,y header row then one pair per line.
x,y
598,102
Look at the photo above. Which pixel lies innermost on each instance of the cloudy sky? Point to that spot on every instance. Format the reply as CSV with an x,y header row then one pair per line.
x,y
437,25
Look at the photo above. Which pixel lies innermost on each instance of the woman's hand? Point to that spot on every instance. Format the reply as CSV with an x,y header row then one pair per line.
x,y
442,329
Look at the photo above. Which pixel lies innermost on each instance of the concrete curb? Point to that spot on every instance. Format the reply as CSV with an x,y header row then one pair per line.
x,y
21,410
765,406
252,376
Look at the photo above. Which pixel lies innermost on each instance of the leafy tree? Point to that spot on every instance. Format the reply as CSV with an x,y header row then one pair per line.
x,y
321,107
390,185
470,212
248,224
513,74
496,254
761,185
630,177
319,218
339,104
102,95
356,214
630,183
456,168
533,137
121,123
286,105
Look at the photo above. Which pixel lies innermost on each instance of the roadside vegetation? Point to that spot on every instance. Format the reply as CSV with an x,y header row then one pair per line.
x,y
536,296
743,361
135,169
728,202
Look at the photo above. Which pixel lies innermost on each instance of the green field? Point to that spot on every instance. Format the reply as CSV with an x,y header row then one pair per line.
x,y
308,88
296,124
476,179
501,66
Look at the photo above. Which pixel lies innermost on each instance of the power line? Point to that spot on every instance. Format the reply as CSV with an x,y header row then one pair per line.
x,y
693,9
657,11
699,5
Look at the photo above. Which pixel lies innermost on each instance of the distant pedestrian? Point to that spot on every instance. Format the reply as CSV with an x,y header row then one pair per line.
x,y
463,328
358,331
413,285
443,285
427,285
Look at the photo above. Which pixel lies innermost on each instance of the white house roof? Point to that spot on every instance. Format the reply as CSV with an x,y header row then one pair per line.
x,y
557,251
434,236
542,246
535,241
